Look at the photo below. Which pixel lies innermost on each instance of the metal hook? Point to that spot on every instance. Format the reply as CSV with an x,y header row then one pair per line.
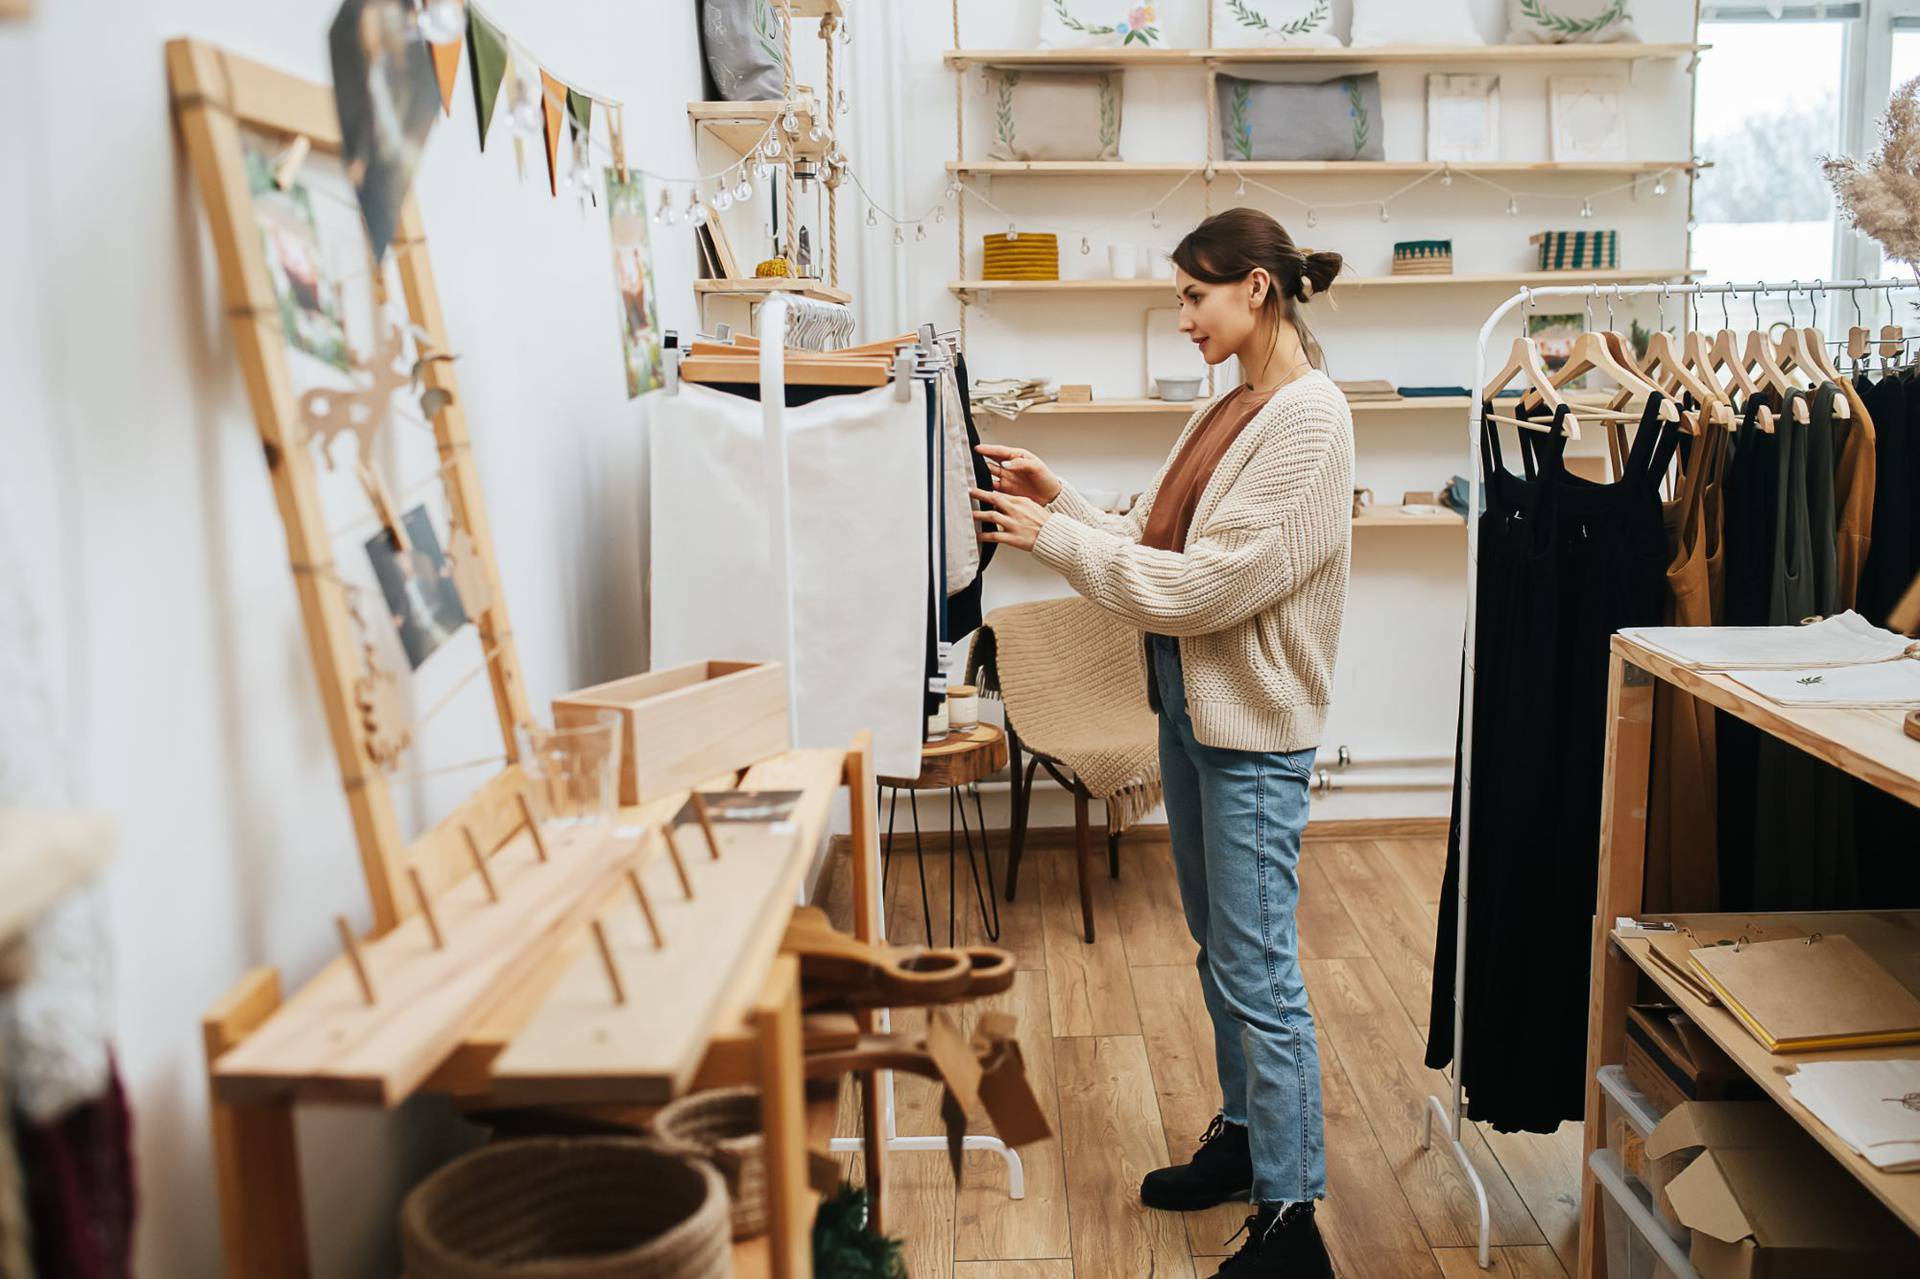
x,y
1594,288
1756,305
1725,322
1792,319
1610,298
1859,316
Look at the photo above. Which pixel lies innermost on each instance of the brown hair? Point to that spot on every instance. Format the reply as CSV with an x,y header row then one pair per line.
x,y
1226,248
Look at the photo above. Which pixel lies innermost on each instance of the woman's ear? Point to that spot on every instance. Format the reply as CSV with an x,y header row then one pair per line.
x,y
1258,282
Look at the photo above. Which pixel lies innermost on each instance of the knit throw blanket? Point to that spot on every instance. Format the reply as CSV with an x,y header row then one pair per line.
x,y
1074,683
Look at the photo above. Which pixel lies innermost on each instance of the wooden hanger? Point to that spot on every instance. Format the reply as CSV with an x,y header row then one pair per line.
x,y
1725,354
1667,367
1793,353
1590,351
1523,357
808,368
1759,356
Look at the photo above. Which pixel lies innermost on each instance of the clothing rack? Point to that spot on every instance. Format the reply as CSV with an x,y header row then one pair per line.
x,y
1453,1118
920,361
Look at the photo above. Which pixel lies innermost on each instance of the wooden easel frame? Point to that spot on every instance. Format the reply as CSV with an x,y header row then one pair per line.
x,y
216,94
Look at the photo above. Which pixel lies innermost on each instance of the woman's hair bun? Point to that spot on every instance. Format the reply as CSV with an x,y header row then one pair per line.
x,y
1317,272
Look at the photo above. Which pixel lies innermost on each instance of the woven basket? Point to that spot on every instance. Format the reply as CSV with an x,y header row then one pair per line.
x,y
723,1125
583,1208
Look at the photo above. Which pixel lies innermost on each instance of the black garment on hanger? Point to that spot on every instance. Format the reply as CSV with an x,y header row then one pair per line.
x,y
963,607
1564,563
1750,497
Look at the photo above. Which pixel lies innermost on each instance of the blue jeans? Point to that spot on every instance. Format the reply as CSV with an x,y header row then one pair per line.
x,y
1235,818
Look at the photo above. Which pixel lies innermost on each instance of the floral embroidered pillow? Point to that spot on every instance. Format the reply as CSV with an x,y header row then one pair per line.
x,y
1331,120
1099,24
1569,21
1054,115
1246,24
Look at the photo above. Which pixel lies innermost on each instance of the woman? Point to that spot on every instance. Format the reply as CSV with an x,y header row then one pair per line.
x,y
1234,565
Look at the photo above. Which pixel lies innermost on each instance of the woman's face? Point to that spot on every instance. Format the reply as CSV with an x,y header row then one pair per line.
x,y
1219,318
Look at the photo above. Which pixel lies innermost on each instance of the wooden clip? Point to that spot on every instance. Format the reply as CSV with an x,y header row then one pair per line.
x,y
287,170
426,908
533,826
679,864
617,138
706,822
480,864
606,957
1891,336
383,509
354,957
646,907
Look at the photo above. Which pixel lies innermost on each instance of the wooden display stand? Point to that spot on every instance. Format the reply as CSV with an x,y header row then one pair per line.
x,y
1867,743
503,952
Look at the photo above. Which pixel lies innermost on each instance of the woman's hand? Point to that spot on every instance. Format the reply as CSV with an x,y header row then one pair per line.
x,y
1012,519
1019,473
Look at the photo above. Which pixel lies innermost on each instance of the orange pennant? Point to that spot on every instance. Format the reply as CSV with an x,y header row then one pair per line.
x,y
552,94
446,66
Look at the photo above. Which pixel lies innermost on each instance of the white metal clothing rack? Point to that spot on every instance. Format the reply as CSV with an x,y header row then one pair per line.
x,y
1453,1118
910,363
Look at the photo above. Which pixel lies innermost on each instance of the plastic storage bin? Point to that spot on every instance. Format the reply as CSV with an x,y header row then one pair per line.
x,y
1638,1244
1631,1116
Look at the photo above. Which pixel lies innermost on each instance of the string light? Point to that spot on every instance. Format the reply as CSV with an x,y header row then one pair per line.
x,y
919,231
898,239
939,215
771,147
696,211
1586,208
1086,246
790,122
722,200
1240,190
763,170
1513,207
816,135
1012,232
743,189
1660,185
872,218
1384,215
664,215
841,105
1313,219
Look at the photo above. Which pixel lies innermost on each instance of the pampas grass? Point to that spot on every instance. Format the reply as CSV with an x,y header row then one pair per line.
x,y
1882,197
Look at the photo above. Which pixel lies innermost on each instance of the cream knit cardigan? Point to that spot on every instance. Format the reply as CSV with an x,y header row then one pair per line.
x,y
1256,597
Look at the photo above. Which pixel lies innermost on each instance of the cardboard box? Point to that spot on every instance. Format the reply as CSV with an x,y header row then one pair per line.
x,y
1764,1201
1671,1060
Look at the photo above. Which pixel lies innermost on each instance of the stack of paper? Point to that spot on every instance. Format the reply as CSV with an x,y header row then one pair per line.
x,y
1846,640
1873,1106
1874,684
1818,992
1010,396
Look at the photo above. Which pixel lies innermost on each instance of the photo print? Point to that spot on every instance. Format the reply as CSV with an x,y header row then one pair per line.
x,y
418,586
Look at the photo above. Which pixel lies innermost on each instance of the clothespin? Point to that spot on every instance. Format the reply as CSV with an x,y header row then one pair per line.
x,y
287,169
617,137
383,508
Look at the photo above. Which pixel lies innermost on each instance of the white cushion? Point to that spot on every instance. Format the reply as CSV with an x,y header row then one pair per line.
x,y
1438,22
1249,24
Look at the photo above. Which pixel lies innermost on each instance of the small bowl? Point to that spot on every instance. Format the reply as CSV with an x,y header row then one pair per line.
x,y
1177,388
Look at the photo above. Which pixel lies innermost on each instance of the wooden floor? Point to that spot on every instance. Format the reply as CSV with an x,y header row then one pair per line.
x,y
1118,1045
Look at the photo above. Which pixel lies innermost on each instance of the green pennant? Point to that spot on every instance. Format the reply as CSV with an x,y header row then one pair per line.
x,y
579,112
487,49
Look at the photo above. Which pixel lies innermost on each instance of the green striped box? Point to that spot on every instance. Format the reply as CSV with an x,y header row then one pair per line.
x,y
1578,250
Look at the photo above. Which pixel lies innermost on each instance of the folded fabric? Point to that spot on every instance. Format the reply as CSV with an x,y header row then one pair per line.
x,y
1895,683
1075,688
1009,397
1371,389
1868,1104
1846,640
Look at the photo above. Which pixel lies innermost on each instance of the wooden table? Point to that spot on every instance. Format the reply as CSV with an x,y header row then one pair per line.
x,y
751,1036
955,763
1867,743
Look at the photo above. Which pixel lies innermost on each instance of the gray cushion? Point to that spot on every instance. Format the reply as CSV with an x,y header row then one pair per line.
x,y
1329,120
742,39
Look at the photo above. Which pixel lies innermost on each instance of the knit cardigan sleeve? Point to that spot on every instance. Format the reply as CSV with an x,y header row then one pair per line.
x,y
1070,503
1282,518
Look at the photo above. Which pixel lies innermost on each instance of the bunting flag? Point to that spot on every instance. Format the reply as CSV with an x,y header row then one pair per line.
x,y
487,51
579,113
552,95
446,67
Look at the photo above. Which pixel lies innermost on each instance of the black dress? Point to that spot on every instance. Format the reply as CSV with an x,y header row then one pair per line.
x,y
1751,507
1564,562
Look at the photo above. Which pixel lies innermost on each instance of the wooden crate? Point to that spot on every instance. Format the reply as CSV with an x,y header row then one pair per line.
x,y
688,723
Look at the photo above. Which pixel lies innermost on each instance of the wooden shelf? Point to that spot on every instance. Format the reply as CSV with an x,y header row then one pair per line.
x,y
1892,937
1379,55
1514,279
1177,408
805,287
1377,516
739,126
1300,168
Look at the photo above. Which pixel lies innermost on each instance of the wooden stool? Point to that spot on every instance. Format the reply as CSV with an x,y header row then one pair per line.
x,y
960,759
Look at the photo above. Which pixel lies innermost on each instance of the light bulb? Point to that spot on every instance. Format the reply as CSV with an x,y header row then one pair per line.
x,y
763,170
1313,219
841,105
743,190
1586,208
1153,218
1012,234
1693,224
771,146
1513,208
443,21
1086,246
1660,185
816,135
722,200
790,122
696,211
919,231
1240,190
664,215
526,114
939,215
1384,215
871,219
898,238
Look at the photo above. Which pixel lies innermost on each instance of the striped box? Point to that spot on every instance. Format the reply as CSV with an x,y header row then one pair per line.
x,y
1029,255
1423,257
1578,250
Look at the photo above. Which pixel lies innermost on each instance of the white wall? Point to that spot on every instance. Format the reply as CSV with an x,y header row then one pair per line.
x,y
1397,683
193,708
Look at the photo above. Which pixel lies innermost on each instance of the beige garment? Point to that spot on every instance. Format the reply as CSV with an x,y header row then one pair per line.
x,y
1074,685
1683,848
1853,480
1257,595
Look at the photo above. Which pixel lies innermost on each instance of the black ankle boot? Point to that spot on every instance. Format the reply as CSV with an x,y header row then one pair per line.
x,y
1281,1244
1221,1172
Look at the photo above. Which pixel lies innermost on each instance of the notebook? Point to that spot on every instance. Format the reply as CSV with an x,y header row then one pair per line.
x,y
1819,992
1673,951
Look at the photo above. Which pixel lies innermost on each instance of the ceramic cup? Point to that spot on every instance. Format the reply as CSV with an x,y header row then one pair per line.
x,y
1123,260
1362,499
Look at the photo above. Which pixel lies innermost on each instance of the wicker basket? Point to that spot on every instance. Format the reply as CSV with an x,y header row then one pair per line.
x,y
585,1208
724,1126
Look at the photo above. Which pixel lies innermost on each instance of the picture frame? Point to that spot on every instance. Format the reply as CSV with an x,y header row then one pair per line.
x,y
1463,118
219,98
1588,118
716,250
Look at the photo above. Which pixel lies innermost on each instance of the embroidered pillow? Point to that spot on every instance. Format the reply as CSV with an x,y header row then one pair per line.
x,y
1569,21
1331,120
1054,115
1099,24
742,43
1247,24
1436,22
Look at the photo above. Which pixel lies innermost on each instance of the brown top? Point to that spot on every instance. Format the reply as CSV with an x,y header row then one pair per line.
x,y
1179,495
1853,480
